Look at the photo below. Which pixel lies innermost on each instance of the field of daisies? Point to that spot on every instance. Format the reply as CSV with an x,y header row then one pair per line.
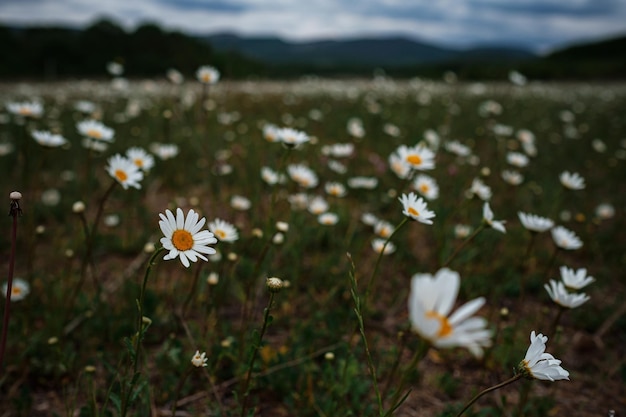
x,y
202,247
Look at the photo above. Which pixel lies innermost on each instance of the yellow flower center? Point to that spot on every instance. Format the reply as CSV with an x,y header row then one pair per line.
x,y
414,159
16,291
25,111
182,240
413,212
384,232
94,133
138,162
121,175
424,188
220,233
206,78
446,328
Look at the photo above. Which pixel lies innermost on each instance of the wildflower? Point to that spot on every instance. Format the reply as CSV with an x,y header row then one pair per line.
x,y
271,177
457,148
282,226
213,278
207,74
417,157
19,289
340,150
383,229
369,219
461,231
480,189
368,183
575,279
26,109
399,167
164,150
141,158
335,189
78,207
174,76
298,201
115,68
292,138
317,205
328,219
223,231
274,284
51,197
517,78
379,244
573,180
199,360
183,237
416,208
111,220
391,129
426,186
432,139
517,159
84,106
355,127
270,133
337,166
535,223
278,238
512,177
303,175
556,290
605,211
488,218
239,202
93,129
540,365
124,171
566,239
45,138
430,303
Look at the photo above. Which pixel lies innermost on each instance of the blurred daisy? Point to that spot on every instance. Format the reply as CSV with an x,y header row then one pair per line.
x,y
512,177
573,180
328,219
556,290
84,106
538,364
488,218
379,246
417,157
94,145
45,138
517,159
93,129
239,202
115,68
25,109
480,189
317,205
298,201
575,279
461,231
270,133
174,76
335,189
369,219
303,175
199,360
535,223
368,183
19,289
141,158
340,150
184,237
207,74
223,231
391,129
124,171
517,78
605,211
164,150
292,138
355,127
337,166
271,177
416,208
432,138
565,239
431,300
399,166
426,186
457,148
383,228
51,197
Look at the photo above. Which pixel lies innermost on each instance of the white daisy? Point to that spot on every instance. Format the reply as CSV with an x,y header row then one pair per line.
x,y
45,138
207,74
93,129
224,231
488,218
335,189
559,294
538,364
124,171
426,186
573,180
199,360
417,157
183,237
535,223
303,175
565,239
575,279
416,208
141,158
328,219
19,289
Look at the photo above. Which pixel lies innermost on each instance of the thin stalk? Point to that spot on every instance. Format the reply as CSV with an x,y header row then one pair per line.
x,y
488,390
522,279
419,355
179,387
463,244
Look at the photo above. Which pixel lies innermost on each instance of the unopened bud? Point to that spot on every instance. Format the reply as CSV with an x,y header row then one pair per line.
x,y
274,284
78,207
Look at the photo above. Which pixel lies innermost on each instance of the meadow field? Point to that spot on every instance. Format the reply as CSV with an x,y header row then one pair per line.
x,y
356,248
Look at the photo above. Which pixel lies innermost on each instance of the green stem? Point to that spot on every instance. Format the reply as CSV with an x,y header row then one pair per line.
x,y
179,387
463,244
419,355
488,390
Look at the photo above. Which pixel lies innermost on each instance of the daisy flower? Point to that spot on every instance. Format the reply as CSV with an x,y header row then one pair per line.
x,y
575,279
417,157
303,175
512,177
368,183
174,76
573,180
379,246
517,159
270,133
535,223
369,219
399,166
84,106
317,205
415,208
383,229
457,148
164,150
480,189
335,189
207,74
93,129
239,202
199,360
141,158
341,150
488,218
26,109
538,364
337,166
605,211
431,300
298,201
566,239
183,237
223,231
426,186
559,294
461,231
271,177
124,171
45,138
292,138
115,68
19,289
328,219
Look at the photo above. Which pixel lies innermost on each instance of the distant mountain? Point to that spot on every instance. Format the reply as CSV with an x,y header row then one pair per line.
x,y
370,52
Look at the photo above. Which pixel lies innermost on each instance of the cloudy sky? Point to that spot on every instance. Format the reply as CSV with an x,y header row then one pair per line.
x,y
537,24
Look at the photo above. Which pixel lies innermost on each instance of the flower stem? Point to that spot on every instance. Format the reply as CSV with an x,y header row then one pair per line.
x,y
463,244
488,390
13,212
420,353
179,387
526,269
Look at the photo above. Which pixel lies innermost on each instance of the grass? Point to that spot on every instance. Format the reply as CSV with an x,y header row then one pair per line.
x,y
73,340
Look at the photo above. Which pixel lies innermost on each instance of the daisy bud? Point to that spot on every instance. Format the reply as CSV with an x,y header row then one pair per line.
x,y
278,238
282,226
274,284
53,340
78,207
256,232
213,278
149,247
90,369
15,196
329,356
232,256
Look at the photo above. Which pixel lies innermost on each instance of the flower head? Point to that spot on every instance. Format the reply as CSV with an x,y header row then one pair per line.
x,y
426,186
336,189
124,171
417,157
141,158
565,239
303,175
379,246
317,205
562,297
45,138
26,109
537,364
328,219
199,360
575,279
512,177
430,303
535,223
93,129
183,237
207,74
223,231
292,138
239,202
488,219
416,208
573,180
19,289
480,189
